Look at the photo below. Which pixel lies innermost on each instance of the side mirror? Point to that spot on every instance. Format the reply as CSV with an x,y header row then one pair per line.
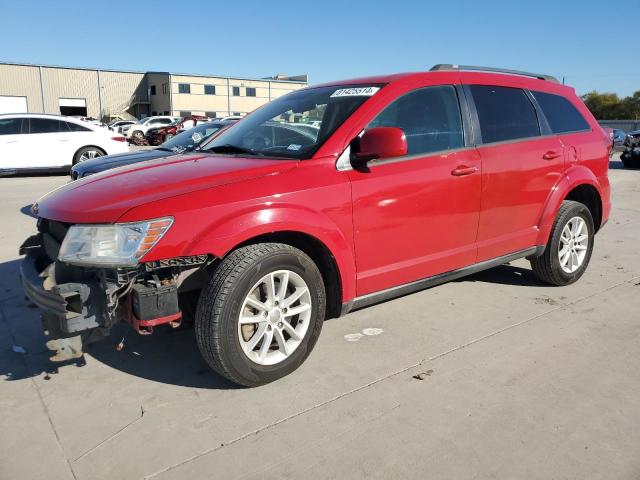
x,y
380,142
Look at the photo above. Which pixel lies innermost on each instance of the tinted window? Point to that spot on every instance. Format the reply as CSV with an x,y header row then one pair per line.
x,y
74,127
211,114
504,113
185,113
209,89
184,88
10,126
561,114
429,117
47,125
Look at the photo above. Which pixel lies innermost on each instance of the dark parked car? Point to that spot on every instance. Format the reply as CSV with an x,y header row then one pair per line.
x,y
631,154
186,141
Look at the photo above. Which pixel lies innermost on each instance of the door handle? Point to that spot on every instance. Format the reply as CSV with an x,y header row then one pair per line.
x,y
550,155
463,170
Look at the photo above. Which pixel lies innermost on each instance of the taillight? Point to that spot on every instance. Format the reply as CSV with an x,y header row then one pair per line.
x,y
118,139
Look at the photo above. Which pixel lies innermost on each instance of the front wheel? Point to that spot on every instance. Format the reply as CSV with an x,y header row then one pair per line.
x,y
569,248
261,314
168,137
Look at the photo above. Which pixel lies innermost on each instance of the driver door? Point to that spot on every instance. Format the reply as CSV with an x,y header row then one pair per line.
x,y
417,216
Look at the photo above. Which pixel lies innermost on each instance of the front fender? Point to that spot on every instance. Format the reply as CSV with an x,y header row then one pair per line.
x,y
576,175
237,228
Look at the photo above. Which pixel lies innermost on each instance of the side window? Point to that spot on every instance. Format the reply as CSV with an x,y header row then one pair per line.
x,y
47,125
504,113
11,126
562,116
430,118
74,127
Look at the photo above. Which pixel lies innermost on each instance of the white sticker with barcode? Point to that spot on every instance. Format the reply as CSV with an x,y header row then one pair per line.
x,y
355,92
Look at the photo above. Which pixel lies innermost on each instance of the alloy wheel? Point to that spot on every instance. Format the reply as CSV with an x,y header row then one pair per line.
x,y
573,244
274,317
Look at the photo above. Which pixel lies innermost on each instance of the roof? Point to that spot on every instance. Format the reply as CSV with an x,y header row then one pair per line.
x,y
478,75
298,79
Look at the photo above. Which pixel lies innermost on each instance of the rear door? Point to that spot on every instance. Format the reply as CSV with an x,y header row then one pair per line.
x,y
417,216
49,143
572,129
521,162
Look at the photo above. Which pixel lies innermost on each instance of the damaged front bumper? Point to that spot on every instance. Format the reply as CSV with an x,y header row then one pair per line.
x,y
80,305
74,313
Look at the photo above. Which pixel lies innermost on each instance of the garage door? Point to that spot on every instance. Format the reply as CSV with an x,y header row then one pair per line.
x,y
13,104
73,106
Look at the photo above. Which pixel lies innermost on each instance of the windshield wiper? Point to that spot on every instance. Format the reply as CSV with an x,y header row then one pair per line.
x,y
228,148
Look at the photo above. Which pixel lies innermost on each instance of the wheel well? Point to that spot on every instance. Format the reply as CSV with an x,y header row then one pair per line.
x,y
322,257
589,197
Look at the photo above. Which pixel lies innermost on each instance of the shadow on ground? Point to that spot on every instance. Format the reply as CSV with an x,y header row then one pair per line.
x,y
168,356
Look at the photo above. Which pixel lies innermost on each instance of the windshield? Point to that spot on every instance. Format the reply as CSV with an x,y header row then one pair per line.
x,y
190,139
295,125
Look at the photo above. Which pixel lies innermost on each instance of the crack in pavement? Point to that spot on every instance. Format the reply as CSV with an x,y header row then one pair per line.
x,y
112,436
386,377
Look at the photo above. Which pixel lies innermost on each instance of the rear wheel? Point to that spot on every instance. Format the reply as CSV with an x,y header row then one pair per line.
x,y
261,314
87,153
138,135
168,137
569,248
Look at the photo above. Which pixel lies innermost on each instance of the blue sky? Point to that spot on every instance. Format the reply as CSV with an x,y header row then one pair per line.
x,y
591,43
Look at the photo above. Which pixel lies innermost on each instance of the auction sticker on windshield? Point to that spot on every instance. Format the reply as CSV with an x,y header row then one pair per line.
x,y
355,92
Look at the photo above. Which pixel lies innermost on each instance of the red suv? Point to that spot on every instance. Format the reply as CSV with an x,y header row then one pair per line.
x,y
325,200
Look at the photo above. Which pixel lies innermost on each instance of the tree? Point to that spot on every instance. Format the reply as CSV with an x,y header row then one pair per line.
x,y
608,106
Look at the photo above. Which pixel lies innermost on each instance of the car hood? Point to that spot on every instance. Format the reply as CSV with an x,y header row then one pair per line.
x,y
105,197
107,162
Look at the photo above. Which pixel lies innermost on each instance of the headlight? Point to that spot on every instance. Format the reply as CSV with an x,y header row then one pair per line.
x,y
121,244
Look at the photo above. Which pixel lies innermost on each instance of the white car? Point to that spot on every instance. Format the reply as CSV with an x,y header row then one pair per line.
x,y
139,129
51,142
119,124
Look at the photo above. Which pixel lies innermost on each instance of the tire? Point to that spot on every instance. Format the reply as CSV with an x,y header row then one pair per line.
x,y
168,137
226,344
87,153
138,135
548,266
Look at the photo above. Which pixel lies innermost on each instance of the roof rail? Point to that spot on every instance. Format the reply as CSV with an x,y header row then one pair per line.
x,y
444,67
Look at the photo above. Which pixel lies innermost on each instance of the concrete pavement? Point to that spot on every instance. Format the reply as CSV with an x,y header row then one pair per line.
x,y
491,376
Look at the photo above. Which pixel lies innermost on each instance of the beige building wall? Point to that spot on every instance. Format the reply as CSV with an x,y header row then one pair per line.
x,y
70,83
224,102
127,94
22,81
121,91
161,101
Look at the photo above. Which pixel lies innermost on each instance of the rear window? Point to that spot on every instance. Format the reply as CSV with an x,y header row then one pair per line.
x,y
562,116
74,127
504,113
